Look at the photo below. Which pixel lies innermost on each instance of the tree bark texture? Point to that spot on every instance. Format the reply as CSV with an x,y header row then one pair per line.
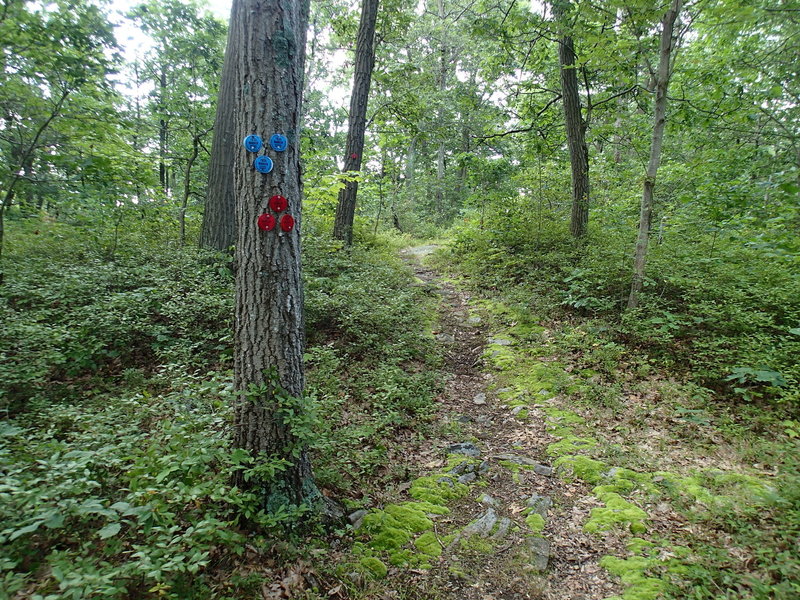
x,y
270,38
659,123
365,61
219,218
576,129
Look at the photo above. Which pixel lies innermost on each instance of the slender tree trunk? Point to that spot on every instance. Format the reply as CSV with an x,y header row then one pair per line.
x,y
659,123
411,157
576,128
163,175
187,187
270,39
365,61
440,151
219,218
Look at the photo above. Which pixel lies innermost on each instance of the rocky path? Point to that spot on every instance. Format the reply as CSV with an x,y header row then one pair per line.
x,y
515,529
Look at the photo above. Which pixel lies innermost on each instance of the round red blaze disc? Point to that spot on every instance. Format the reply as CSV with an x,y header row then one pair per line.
x,y
278,203
287,222
266,222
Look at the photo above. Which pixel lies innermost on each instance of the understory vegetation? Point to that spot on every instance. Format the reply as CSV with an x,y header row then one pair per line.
x,y
704,373
546,158
116,449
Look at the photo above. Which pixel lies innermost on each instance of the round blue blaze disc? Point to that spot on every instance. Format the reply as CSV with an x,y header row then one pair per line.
x,y
263,164
278,142
253,143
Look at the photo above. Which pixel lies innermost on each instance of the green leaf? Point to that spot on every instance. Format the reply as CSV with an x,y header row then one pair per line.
x,y
55,521
27,529
109,530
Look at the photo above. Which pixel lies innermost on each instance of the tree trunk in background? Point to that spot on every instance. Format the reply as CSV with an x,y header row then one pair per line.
x,y
163,173
219,218
187,188
575,126
659,123
440,151
365,61
270,38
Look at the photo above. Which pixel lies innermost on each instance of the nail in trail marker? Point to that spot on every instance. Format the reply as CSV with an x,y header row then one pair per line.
x,y
253,143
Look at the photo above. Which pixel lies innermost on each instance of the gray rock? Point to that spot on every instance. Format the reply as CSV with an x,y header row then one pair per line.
x,y
539,504
463,419
474,320
446,480
445,338
487,500
504,390
503,524
470,468
481,526
500,341
459,469
483,467
465,448
538,468
518,409
357,517
540,552
518,460
467,478
479,398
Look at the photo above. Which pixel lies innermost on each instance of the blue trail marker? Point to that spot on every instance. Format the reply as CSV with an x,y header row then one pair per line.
x,y
263,164
253,143
278,142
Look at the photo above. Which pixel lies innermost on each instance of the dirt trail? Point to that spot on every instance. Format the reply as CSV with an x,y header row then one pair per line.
x,y
505,557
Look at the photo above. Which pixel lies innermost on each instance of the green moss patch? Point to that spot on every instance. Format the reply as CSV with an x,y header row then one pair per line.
x,y
373,567
582,467
428,545
617,511
632,573
431,489
571,444
535,521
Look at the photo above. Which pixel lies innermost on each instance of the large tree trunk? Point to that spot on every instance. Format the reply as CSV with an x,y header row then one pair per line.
x,y
575,126
270,37
659,123
219,218
365,61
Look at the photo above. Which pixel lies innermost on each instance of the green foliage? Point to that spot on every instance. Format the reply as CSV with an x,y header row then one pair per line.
x,y
120,496
63,319
723,309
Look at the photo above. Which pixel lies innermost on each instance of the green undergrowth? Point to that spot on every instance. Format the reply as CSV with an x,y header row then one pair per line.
x,y
674,563
115,385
